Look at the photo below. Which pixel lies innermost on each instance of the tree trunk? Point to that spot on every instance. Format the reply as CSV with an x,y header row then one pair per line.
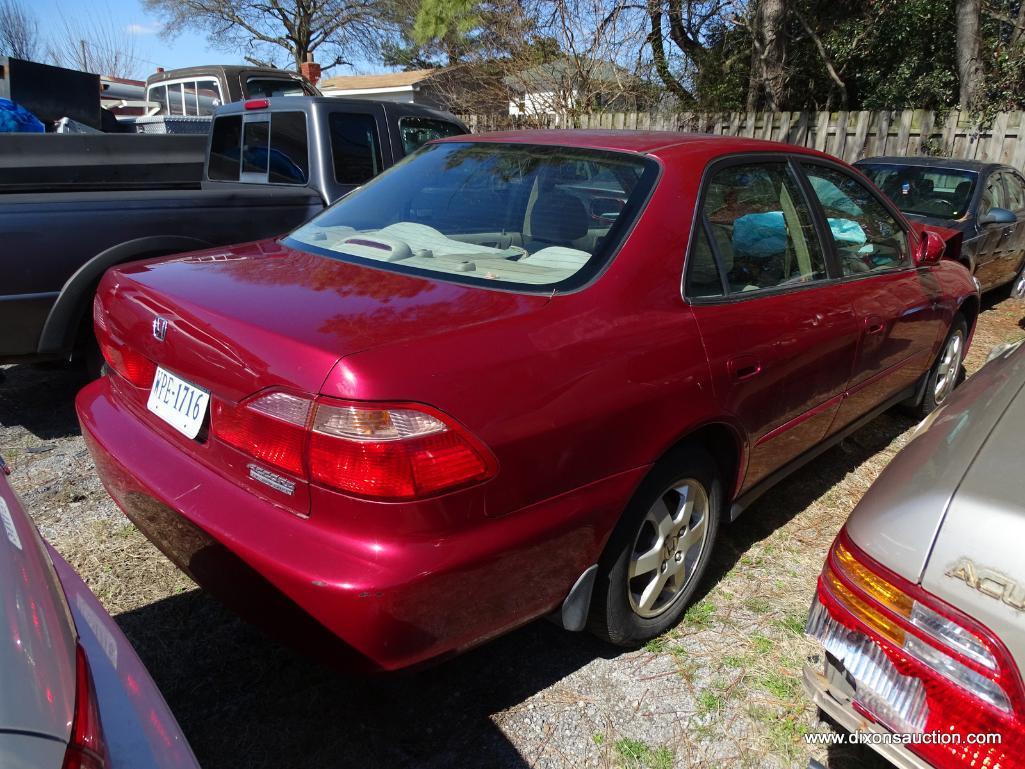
x,y
768,49
969,61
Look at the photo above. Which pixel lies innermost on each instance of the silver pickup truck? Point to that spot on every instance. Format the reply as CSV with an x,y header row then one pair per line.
x,y
270,165
920,608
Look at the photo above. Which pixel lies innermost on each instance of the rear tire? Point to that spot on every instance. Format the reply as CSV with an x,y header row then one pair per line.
x,y
659,550
947,371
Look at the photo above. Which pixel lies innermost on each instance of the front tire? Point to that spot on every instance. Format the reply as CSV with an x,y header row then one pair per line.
x,y
659,551
948,370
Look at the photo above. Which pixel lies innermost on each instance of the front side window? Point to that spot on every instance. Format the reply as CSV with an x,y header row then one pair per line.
x,y
355,149
417,131
512,215
1015,192
868,238
762,230
944,193
993,196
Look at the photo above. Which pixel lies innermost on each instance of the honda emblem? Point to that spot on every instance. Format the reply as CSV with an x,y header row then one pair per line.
x,y
159,328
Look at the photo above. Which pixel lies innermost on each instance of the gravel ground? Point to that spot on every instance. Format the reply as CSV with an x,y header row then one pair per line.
x,y
720,690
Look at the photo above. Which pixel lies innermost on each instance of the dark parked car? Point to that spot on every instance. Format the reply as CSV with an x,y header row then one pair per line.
x,y
75,694
524,373
272,164
983,203
919,606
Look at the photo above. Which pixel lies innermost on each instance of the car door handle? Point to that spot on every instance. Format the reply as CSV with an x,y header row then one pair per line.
x,y
744,367
874,324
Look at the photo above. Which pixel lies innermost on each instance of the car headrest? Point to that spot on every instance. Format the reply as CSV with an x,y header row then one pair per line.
x,y
558,217
962,189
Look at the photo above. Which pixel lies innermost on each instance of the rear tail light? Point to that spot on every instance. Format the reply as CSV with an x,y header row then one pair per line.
x,y
86,748
133,366
918,664
382,451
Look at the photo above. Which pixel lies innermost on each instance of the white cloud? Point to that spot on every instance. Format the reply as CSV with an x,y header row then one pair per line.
x,y
142,29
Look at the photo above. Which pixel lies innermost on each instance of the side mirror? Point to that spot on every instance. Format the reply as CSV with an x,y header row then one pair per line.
x,y
998,216
930,249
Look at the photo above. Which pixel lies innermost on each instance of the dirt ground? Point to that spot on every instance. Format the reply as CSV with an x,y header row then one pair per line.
x,y
720,690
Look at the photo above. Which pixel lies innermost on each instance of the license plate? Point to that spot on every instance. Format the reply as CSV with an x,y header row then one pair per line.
x,y
179,403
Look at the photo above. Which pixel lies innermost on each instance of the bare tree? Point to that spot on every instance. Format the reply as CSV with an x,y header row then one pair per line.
x,y
768,49
95,44
969,61
19,31
268,31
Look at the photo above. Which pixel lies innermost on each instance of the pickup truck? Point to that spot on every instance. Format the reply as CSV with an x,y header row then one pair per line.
x,y
270,165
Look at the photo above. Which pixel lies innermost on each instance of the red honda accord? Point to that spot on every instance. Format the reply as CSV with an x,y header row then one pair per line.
x,y
518,374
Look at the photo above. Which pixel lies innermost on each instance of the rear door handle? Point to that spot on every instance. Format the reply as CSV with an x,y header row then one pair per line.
x,y
744,367
874,324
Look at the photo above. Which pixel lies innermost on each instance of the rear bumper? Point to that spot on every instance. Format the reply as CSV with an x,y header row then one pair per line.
x,y
140,730
835,704
391,601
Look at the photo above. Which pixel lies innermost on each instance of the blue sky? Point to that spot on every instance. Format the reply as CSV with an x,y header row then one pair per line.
x,y
129,16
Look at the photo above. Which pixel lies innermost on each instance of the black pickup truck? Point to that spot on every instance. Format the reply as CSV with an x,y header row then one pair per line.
x,y
270,165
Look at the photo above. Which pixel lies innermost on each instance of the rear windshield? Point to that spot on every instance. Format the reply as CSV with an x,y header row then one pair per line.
x,y
268,87
272,152
523,216
944,193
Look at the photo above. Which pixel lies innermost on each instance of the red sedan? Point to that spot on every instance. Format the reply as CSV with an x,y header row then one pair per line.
x,y
518,374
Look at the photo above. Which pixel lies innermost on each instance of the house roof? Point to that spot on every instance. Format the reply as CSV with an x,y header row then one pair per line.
x,y
370,82
558,72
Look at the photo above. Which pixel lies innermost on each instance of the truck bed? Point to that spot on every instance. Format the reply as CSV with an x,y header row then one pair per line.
x,y
91,162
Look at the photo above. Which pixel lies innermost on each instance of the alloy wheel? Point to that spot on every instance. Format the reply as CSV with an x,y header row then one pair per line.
x,y
667,548
1018,292
948,369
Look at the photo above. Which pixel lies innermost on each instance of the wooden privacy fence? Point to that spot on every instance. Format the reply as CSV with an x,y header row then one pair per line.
x,y
848,135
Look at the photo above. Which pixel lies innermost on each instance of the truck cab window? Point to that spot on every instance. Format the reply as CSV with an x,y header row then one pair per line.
x,y
417,131
355,148
277,151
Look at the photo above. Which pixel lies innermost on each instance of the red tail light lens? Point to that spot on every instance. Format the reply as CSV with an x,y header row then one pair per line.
x,y
383,451
270,427
86,748
133,366
919,664
399,452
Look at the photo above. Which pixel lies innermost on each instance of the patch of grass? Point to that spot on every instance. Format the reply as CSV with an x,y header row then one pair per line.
x,y
700,614
735,661
636,754
785,729
758,604
658,645
793,623
598,738
761,644
711,700
782,687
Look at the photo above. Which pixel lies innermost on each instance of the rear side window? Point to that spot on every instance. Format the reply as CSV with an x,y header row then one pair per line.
x,y
867,236
762,228
355,149
276,151
703,280
417,131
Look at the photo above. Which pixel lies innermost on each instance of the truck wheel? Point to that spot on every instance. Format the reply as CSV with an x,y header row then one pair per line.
x,y
659,551
948,370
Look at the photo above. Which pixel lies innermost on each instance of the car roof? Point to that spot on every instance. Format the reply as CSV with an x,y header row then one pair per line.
x,y
640,142
958,164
